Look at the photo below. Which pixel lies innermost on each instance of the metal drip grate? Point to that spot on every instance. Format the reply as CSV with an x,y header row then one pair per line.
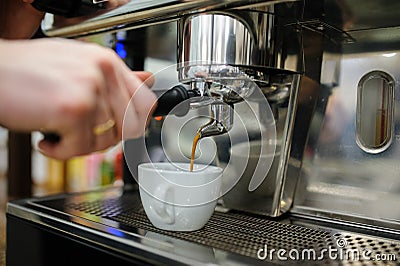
x,y
105,208
238,234
245,235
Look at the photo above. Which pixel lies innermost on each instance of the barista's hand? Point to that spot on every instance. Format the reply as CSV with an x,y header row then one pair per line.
x,y
70,87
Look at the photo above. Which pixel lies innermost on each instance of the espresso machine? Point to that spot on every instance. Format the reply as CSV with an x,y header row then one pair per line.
x,y
314,81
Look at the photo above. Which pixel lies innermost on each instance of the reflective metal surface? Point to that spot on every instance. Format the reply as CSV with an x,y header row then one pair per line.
x,y
221,121
343,179
375,109
229,48
222,52
312,89
250,39
137,14
116,218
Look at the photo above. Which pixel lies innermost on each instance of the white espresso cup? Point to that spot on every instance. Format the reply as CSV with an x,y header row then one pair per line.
x,y
177,199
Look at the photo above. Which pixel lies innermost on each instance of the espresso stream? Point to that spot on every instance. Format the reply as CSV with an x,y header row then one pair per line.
x,y
194,145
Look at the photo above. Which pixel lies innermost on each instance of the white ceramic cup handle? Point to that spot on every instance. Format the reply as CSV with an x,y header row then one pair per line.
x,y
164,211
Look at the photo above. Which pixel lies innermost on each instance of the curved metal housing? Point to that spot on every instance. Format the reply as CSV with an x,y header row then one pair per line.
x,y
223,53
223,44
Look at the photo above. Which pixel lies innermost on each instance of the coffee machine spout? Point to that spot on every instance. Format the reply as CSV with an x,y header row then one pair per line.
x,y
221,121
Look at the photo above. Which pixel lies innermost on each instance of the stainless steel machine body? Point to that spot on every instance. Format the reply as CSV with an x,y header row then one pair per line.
x,y
351,160
298,49
224,54
329,71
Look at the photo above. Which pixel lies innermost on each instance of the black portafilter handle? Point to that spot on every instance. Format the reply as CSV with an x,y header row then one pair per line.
x,y
174,101
171,102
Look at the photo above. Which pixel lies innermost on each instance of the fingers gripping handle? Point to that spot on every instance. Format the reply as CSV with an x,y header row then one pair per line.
x,y
173,101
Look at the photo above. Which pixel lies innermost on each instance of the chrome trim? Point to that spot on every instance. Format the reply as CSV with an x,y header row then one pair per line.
x,y
250,40
220,123
341,219
135,15
285,188
387,114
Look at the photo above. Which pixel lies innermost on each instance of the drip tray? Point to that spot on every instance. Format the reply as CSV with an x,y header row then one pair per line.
x,y
228,234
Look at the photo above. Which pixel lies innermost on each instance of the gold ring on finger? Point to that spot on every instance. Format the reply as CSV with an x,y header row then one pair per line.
x,y
104,127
